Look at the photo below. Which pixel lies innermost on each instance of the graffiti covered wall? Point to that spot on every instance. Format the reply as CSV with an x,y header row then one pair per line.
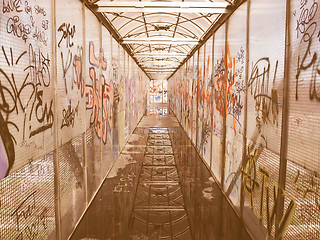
x,y
63,108
262,117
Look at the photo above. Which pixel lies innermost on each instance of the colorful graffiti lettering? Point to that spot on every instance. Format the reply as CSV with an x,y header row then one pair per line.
x,y
96,103
24,98
249,174
259,87
250,183
228,92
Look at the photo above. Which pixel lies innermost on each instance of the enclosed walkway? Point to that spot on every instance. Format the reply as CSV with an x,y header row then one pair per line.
x,y
159,188
159,119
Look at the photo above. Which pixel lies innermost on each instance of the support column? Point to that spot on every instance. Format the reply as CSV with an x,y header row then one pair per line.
x,y
224,128
285,125
56,145
245,120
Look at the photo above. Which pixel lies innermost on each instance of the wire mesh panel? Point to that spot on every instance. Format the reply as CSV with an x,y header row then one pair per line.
x,y
200,96
121,108
177,93
302,203
27,109
31,73
72,184
96,134
184,84
188,106
235,95
115,81
27,202
145,82
93,163
70,67
129,97
107,103
219,72
265,91
133,117
205,142
266,71
302,182
194,70
127,89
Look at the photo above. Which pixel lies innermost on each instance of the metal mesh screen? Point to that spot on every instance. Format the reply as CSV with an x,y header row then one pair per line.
x,y
194,70
303,186
304,118
200,96
265,106
94,165
217,107
27,202
70,101
205,143
27,111
260,176
72,184
302,180
235,96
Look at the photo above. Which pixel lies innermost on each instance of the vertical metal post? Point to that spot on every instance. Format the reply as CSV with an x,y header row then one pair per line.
x,y
111,130
245,119
197,99
191,124
56,139
162,90
190,95
203,90
225,89
122,99
101,102
212,101
119,103
285,123
84,69
152,88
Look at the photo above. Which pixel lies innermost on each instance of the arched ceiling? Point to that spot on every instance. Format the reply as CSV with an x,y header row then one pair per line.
x,y
161,34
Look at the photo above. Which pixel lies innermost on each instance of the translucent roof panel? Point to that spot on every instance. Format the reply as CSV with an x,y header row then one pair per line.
x,y
161,33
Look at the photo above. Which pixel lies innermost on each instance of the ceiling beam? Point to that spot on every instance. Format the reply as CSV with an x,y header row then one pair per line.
x,y
160,54
160,61
160,41
157,68
114,33
177,7
149,71
214,27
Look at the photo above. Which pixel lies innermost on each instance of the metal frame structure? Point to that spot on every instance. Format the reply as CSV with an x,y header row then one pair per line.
x,y
153,30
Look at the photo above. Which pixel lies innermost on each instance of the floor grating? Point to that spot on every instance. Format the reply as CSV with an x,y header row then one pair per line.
x,y
159,208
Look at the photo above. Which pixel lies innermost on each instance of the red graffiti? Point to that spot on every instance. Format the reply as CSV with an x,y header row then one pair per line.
x,y
94,100
228,101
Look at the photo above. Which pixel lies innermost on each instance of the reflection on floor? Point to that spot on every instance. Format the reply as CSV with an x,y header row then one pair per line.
x,y
159,189
158,208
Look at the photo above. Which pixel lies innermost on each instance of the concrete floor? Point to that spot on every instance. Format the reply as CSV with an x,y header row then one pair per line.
x,y
159,188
